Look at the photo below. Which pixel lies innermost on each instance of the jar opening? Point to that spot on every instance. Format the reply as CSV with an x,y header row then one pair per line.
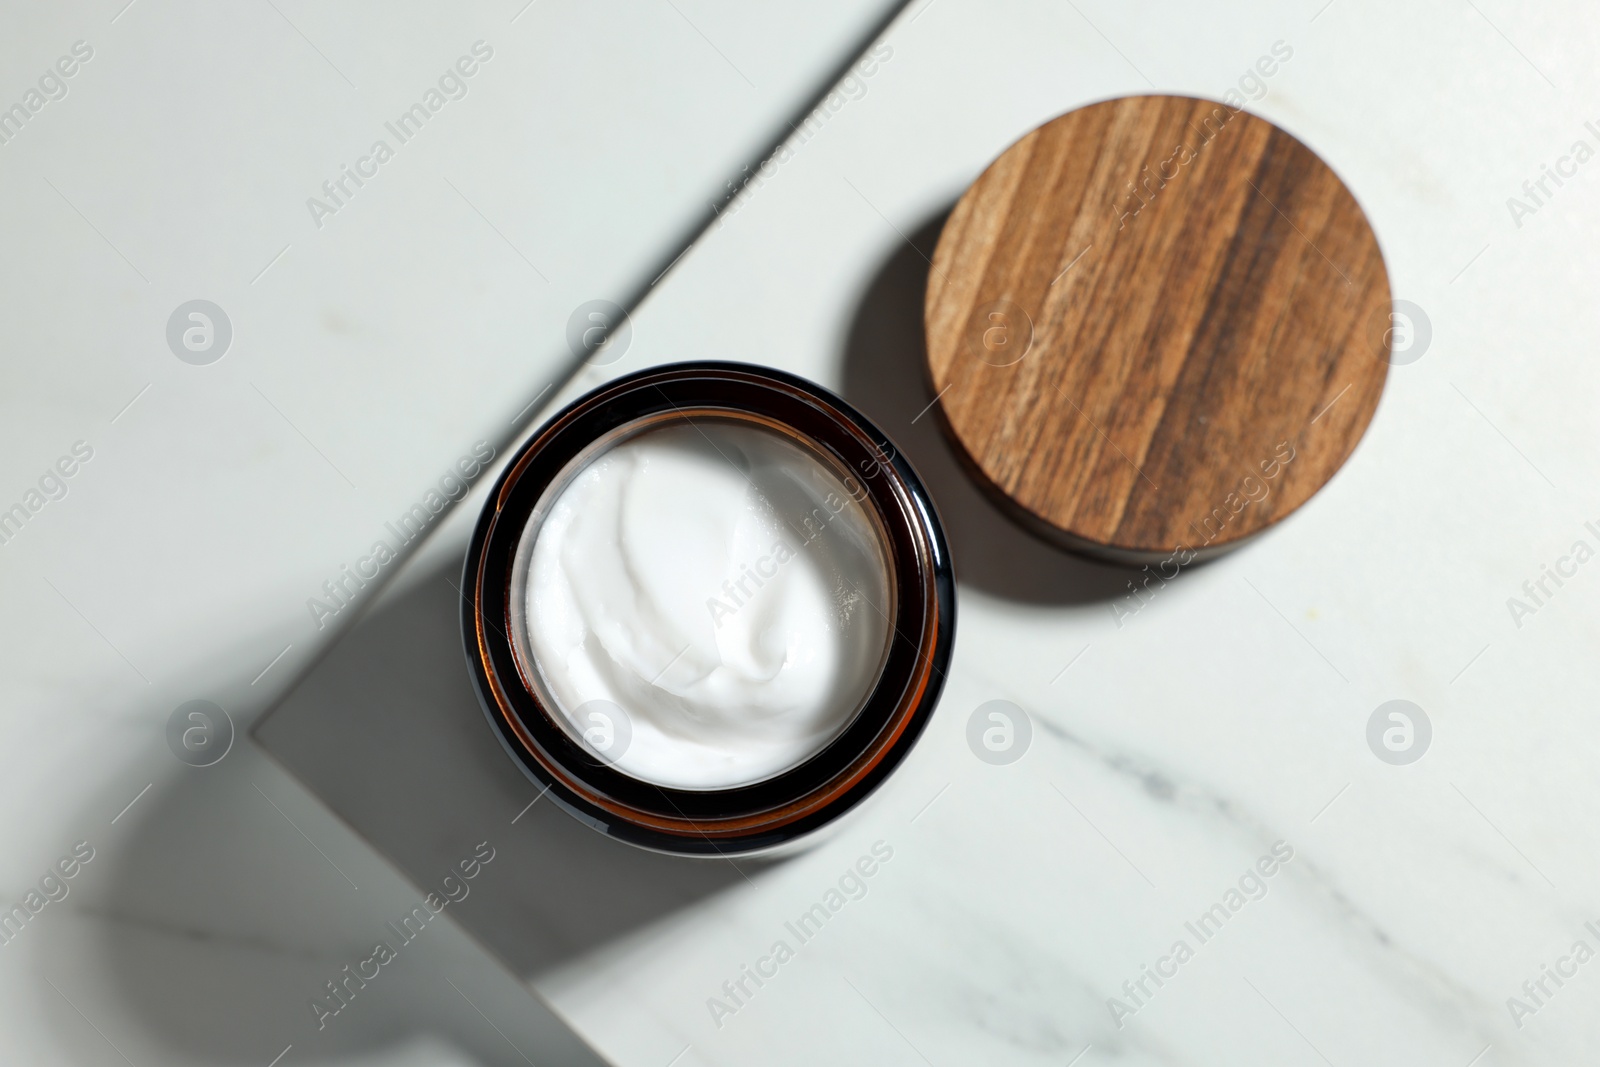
x,y
705,600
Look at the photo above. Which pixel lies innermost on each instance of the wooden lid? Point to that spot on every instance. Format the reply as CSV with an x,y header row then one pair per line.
x,y
1156,323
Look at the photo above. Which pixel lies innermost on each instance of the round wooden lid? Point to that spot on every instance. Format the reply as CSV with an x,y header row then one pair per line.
x,y
1156,324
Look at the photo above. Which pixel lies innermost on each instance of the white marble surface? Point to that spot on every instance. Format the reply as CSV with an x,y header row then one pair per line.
x,y
1169,753
367,355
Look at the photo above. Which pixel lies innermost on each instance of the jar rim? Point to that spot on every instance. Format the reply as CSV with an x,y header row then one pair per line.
x,y
760,815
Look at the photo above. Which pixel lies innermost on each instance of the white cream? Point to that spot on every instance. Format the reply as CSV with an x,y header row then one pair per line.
x,y
718,583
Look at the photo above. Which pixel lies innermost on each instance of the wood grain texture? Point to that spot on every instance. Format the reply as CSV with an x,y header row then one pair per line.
x,y
1138,318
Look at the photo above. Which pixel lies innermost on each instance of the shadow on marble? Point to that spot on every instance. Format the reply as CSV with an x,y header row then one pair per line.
x,y
217,924
886,377
388,731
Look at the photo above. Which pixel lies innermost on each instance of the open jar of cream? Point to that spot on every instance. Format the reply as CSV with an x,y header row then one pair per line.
x,y
709,607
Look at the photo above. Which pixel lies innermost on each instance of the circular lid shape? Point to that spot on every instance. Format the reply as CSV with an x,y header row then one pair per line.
x,y
1156,324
